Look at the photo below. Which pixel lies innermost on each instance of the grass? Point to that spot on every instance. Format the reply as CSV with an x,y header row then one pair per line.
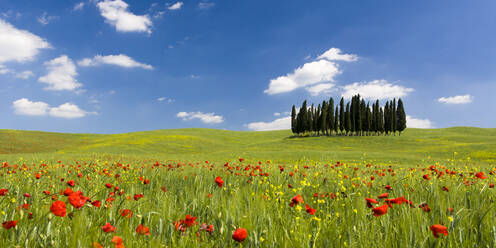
x,y
412,147
255,195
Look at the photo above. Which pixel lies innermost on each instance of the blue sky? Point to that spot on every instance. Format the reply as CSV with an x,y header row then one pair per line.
x,y
113,66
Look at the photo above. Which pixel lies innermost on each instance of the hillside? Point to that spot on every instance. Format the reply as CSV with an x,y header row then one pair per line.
x,y
413,146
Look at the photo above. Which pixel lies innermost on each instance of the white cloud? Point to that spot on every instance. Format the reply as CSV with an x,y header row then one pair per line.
x,y
4,70
18,45
277,124
320,89
464,99
61,74
24,106
24,74
334,54
205,5
176,6
308,74
412,122
119,60
67,110
377,89
117,14
165,99
78,6
277,114
45,19
209,118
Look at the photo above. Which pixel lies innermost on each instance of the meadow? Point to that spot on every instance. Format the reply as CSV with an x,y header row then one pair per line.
x,y
204,187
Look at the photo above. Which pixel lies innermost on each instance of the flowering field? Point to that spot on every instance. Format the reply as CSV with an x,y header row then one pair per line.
x,y
249,203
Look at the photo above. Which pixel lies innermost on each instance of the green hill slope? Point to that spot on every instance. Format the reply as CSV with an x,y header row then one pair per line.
x,y
413,146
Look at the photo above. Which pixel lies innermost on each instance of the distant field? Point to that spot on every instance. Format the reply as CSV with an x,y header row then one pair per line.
x,y
476,145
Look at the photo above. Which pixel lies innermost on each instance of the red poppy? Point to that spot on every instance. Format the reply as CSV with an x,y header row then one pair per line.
x,y
384,195
38,176
96,203
378,211
426,177
25,206
491,185
27,195
46,192
207,228
58,208
4,192
77,199
219,181
108,185
425,207
437,229
118,242
296,200
445,188
190,220
371,201
309,209
126,213
480,175
240,234
9,224
68,191
388,187
147,181
108,228
138,196
71,183
143,230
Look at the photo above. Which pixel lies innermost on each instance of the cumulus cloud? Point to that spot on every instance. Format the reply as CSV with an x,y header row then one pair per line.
x,y
377,89
308,74
67,110
464,99
24,74
61,74
176,6
24,106
320,89
19,45
119,60
117,14
412,122
209,118
334,54
78,6
324,69
277,124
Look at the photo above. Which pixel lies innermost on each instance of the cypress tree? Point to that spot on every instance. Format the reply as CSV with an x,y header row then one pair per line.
x,y
362,116
318,119
301,118
387,118
341,115
293,119
308,120
400,117
373,119
368,120
324,126
347,119
330,116
393,117
336,119
381,121
352,114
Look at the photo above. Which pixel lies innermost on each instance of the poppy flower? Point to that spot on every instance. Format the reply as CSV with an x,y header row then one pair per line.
x,y
97,245
445,188
58,208
437,229
147,181
46,192
4,192
108,185
480,175
426,177
143,230
425,207
9,224
96,203
371,201
207,228
108,228
25,206
388,187
240,234
378,211
68,192
384,195
219,181
296,200
118,242
27,195
309,209
71,183
77,199
190,220
491,185
138,196
126,213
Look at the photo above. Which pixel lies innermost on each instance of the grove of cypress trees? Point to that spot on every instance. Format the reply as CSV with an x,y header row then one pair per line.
x,y
347,116
330,116
336,121
341,115
293,119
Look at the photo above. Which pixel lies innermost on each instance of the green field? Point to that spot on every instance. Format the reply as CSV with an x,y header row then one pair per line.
x,y
451,171
412,147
